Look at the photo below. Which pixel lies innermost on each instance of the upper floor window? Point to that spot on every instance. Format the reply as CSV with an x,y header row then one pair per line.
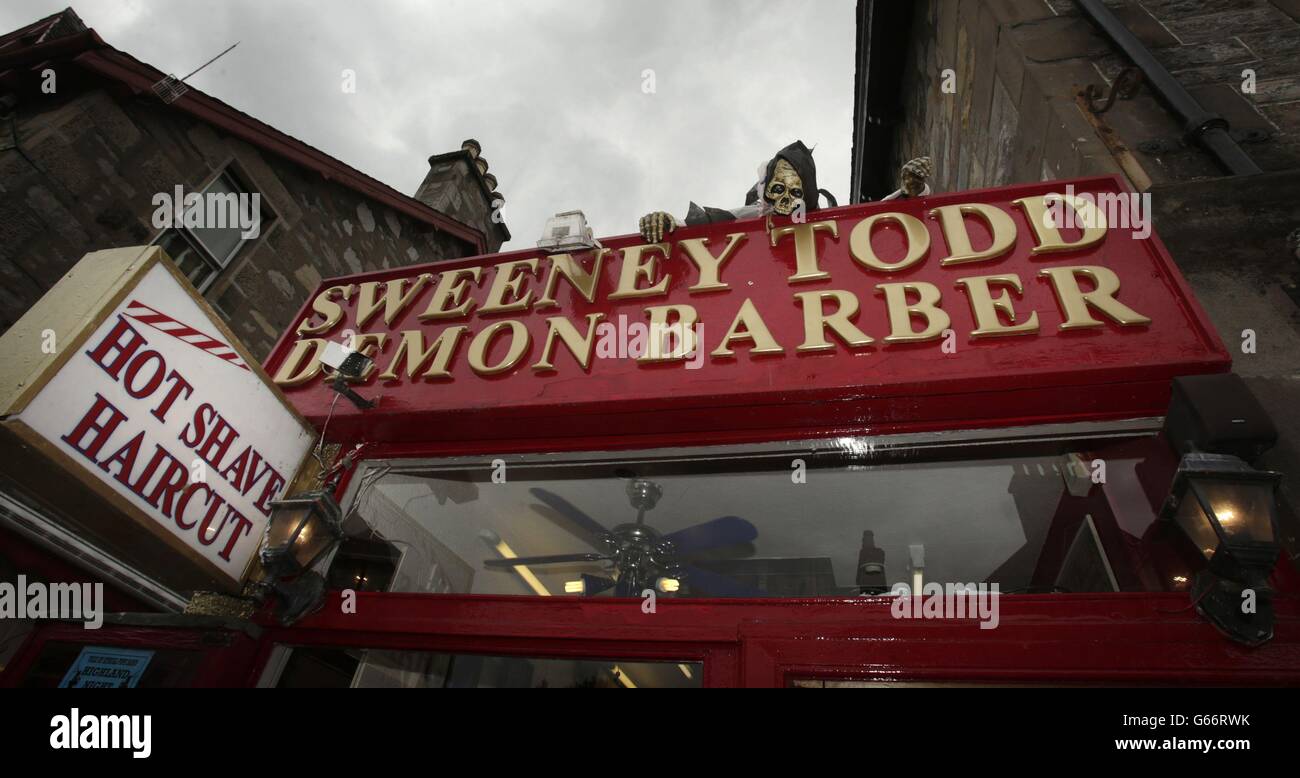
x,y
213,228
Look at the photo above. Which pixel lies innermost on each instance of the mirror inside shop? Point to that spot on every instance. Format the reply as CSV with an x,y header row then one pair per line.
x,y
832,519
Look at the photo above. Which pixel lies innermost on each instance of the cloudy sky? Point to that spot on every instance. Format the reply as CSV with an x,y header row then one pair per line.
x,y
552,89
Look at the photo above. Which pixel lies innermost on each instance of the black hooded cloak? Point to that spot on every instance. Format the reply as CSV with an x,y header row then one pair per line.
x,y
800,158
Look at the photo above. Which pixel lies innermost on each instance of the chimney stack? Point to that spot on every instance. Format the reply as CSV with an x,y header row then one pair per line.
x,y
459,185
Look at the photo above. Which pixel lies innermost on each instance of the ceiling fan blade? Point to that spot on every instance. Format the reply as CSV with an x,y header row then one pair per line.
x,y
705,582
576,531
722,531
544,560
569,516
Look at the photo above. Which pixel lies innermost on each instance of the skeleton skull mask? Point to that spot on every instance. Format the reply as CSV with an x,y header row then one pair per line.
x,y
784,188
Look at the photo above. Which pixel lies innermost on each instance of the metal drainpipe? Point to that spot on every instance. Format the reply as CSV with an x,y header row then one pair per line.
x,y
1208,129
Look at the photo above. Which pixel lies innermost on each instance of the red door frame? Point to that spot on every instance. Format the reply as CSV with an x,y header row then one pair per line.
x,y
1117,639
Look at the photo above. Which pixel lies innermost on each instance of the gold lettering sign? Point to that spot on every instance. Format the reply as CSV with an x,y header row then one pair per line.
x,y
805,248
497,332
952,217
986,307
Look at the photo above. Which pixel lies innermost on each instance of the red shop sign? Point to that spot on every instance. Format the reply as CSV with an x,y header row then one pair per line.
x,y
1024,304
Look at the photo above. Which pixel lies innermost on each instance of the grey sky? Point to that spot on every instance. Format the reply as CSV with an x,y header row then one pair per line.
x,y
551,89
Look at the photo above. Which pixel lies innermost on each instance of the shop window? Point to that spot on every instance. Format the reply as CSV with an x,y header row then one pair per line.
x,y
202,253
836,518
363,565
318,668
157,668
341,668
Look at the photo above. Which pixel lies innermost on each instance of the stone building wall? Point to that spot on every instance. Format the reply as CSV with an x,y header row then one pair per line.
x,y
1018,65
85,168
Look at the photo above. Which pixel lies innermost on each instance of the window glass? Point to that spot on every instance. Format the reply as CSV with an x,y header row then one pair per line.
x,y
202,252
836,518
222,200
317,667
193,265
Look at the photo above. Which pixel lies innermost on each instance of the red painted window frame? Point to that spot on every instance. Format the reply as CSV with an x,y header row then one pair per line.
x,y
1126,638
1119,639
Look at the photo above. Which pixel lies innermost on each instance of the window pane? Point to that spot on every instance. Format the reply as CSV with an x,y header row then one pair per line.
x,y
754,523
310,667
224,206
193,265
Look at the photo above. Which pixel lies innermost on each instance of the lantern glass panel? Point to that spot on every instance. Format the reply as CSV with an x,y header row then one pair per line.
x,y
1197,525
284,523
313,540
1243,508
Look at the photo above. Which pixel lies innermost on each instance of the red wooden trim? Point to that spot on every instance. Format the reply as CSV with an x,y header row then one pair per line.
x,y
1127,638
17,55
787,421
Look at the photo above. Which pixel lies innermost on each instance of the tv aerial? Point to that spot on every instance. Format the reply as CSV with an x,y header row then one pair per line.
x,y
169,88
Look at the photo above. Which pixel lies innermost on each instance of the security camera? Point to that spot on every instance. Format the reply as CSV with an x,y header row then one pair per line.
x,y
348,365
352,365
567,231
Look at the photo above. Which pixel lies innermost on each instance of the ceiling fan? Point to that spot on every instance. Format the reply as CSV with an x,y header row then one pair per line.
x,y
642,557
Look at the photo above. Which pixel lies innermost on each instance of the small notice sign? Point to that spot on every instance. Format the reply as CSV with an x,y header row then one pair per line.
x,y
106,668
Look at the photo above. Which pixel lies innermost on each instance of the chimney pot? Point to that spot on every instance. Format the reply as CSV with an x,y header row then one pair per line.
x,y
464,196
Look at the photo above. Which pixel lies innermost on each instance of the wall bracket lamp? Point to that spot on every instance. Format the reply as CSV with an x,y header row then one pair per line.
x,y
302,529
1229,510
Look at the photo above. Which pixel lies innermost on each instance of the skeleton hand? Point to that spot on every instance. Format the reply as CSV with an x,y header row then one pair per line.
x,y
914,175
654,226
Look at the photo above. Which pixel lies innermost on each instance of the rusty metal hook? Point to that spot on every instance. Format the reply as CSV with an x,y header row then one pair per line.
x,y
1124,87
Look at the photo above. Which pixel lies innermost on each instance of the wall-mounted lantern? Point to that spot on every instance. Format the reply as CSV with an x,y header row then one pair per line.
x,y
1229,511
301,530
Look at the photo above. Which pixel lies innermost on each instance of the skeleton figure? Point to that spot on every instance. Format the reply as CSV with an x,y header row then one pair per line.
x,y
784,189
788,185
914,174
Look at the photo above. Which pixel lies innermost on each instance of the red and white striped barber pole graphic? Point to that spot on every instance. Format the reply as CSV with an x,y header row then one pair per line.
x,y
182,331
